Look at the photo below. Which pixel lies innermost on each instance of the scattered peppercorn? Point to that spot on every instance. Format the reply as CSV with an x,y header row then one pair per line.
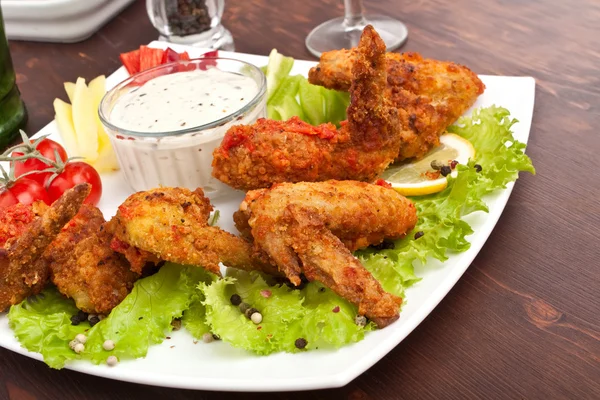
x,y
300,343
322,289
235,299
256,318
336,309
72,344
78,348
111,361
75,320
250,311
437,165
385,245
244,307
94,320
419,234
82,315
108,345
216,337
207,338
445,170
360,320
81,338
478,167
453,164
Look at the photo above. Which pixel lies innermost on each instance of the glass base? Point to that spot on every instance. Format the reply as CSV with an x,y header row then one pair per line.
x,y
335,35
218,38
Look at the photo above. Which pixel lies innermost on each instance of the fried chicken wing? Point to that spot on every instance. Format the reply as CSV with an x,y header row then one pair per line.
x,y
430,95
311,228
171,224
256,156
23,271
84,267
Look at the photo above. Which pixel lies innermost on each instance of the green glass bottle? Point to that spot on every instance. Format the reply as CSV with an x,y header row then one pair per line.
x,y
13,115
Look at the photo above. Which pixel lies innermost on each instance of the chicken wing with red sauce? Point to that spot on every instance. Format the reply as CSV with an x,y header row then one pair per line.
x,y
256,156
85,268
311,228
171,224
23,270
430,95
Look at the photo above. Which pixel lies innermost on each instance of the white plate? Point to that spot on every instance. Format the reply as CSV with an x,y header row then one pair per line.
x,y
218,366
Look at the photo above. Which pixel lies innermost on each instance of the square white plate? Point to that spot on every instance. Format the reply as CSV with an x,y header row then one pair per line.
x,y
180,363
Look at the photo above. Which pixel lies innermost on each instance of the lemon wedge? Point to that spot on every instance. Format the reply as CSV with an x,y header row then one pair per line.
x,y
419,178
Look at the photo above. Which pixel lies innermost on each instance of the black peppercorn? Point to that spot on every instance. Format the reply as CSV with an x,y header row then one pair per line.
x,y
75,320
478,167
235,299
250,311
82,315
419,234
300,343
445,170
94,320
385,245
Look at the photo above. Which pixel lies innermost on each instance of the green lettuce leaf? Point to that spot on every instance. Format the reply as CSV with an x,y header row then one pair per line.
x,y
288,315
142,319
289,96
278,67
44,326
500,156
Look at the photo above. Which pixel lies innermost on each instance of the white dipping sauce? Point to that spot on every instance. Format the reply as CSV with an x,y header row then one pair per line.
x,y
176,102
183,100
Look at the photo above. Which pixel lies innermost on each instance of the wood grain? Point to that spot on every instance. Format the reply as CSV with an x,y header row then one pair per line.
x,y
523,322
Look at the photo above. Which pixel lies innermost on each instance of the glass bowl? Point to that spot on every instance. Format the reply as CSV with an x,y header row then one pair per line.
x,y
178,157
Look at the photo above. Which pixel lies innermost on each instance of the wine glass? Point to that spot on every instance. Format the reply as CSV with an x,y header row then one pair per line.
x,y
344,32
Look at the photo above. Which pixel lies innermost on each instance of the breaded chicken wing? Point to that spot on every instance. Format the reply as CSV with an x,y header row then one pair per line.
x,y
23,271
171,224
85,268
256,156
430,95
311,228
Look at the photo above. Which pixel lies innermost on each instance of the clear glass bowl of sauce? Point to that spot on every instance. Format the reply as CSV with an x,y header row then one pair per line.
x,y
164,123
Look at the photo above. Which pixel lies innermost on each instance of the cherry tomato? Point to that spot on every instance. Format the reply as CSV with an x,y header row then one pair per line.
x,y
73,174
46,148
7,199
27,191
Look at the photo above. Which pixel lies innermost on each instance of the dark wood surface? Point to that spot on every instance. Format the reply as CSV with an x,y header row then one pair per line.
x,y
524,320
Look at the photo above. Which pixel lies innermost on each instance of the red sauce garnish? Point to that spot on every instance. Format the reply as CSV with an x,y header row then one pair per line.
x,y
14,221
383,182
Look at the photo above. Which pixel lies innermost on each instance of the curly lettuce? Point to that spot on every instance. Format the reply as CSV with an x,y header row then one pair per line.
x,y
314,314
142,319
500,157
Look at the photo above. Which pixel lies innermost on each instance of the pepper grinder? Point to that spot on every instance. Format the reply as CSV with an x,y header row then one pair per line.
x,y
191,22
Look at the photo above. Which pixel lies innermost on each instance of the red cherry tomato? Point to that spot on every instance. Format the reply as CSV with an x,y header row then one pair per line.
x,y
73,174
7,199
27,191
46,148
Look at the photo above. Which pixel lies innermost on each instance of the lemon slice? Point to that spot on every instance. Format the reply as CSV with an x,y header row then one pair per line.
x,y
418,178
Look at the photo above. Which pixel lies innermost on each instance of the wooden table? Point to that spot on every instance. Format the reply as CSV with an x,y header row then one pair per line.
x,y
523,322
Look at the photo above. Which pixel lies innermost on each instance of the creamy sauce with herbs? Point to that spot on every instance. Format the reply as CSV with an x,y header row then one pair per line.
x,y
183,100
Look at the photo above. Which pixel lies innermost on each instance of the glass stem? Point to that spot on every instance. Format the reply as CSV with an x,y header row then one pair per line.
x,y
354,17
